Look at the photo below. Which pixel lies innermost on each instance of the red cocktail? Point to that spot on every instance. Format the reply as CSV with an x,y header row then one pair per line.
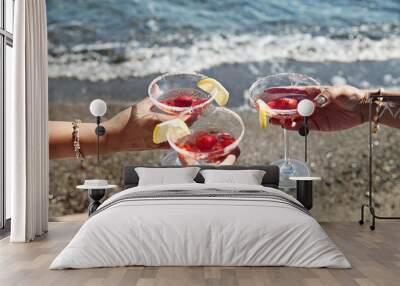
x,y
177,93
183,98
208,145
190,95
282,108
277,97
213,137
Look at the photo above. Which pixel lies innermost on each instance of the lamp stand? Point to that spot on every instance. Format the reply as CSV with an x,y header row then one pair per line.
x,y
100,131
305,138
303,131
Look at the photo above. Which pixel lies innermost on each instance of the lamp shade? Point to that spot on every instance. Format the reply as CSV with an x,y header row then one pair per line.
x,y
305,107
98,107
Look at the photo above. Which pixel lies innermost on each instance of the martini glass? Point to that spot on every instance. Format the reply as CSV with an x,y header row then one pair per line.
x,y
177,93
213,137
283,107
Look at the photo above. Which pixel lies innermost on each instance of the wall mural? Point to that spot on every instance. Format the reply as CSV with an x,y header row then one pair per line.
x,y
243,82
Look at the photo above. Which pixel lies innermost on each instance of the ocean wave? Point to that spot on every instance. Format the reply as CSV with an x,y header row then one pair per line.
x,y
107,61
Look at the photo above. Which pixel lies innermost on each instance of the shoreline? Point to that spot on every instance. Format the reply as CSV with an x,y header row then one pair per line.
x,y
237,78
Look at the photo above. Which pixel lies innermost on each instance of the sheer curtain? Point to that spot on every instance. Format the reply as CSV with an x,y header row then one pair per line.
x,y
26,124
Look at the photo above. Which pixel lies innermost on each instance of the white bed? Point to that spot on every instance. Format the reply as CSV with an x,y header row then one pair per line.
x,y
249,225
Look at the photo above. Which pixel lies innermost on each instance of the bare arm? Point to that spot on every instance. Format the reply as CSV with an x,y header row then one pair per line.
x,y
61,139
338,107
131,129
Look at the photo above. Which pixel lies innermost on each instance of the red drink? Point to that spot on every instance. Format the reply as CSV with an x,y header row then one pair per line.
x,y
183,98
283,108
206,145
283,103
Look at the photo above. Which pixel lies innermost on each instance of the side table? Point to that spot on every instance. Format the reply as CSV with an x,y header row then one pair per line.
x,y
304,190
95,193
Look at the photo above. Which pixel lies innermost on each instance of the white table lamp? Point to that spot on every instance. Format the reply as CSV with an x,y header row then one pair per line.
x,y
305,108
98,108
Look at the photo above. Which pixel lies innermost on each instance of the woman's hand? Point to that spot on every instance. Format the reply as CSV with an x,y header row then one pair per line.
x,y
132,129
337,107
129,130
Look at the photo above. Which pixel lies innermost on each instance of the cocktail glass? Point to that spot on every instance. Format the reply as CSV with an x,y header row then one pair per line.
x,y
214,136
178,93
282,106
175,93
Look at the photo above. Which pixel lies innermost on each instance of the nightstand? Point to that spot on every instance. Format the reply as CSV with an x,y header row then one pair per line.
x,y
304,190
96,192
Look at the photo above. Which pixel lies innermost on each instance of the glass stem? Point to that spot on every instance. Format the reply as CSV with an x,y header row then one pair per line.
x,y
285,146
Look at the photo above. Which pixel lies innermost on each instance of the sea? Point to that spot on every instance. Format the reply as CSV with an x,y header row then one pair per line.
x,y
116,47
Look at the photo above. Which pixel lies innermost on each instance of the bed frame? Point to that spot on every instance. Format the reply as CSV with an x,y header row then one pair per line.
x,y
271,177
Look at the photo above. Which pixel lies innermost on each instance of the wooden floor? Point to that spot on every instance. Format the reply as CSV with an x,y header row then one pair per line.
x,y
375,257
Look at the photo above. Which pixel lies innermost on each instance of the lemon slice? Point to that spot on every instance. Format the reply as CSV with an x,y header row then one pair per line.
x,y
174,129
262,113
214,88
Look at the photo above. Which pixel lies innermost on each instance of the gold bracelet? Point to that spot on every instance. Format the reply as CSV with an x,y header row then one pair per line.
x,y
75,135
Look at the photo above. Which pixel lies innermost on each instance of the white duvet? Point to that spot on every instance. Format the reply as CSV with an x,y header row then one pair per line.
x,y
200,231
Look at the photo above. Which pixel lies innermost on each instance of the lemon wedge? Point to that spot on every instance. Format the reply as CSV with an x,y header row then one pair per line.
x,y
262,113
214,88
175,129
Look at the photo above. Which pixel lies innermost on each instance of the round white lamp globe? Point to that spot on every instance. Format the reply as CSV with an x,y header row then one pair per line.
x,y
305,107
98,107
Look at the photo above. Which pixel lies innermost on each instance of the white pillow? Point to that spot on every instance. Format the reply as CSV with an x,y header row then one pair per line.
x,y
163,176
248,177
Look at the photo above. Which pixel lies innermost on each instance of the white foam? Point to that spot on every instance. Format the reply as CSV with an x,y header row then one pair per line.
x,y
338,80
85,62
